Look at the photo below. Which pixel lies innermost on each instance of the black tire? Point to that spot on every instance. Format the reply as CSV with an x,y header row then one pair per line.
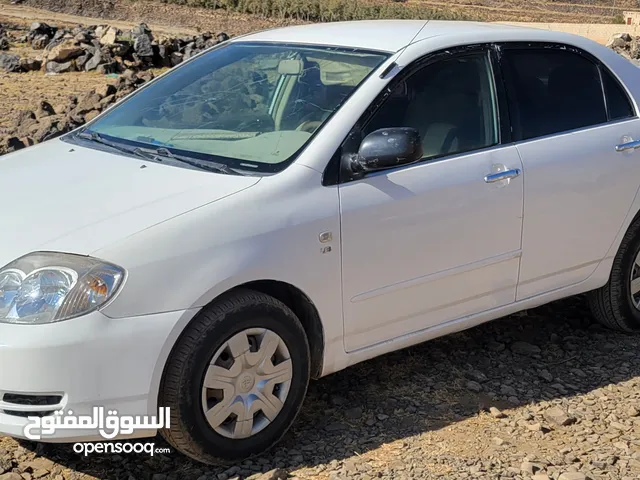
x,y
612,305
190,433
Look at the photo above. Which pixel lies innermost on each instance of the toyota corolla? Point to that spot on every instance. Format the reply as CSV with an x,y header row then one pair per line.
x,y
292,202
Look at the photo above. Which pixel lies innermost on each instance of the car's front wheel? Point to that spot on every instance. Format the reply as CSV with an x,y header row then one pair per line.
x,y
236,379
617,304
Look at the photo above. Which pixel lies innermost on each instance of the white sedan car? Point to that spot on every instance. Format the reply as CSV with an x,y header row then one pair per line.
x,y
293,202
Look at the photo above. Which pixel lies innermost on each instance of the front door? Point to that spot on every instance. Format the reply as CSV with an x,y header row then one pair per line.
x,y
438,240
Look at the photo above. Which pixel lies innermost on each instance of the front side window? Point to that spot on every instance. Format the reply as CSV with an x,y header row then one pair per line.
x,y
552,91
450,102
249,105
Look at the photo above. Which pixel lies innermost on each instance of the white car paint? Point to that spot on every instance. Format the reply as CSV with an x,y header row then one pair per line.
x,y
397,274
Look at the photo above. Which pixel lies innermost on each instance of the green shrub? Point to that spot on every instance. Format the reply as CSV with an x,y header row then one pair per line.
x,y
619,18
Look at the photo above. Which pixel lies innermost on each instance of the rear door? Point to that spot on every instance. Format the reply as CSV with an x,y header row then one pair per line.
x,y
569,112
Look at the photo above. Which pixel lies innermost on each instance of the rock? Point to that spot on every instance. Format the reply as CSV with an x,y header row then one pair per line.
x,y
616,42
40,463
30,64
495,413
51,127
10,476
107,101
39,27
106,90
573,476
176,58
633,412
65,51
545,375
105,68
498,441
4,44
40,31
109,36
142,46
508,390
93,62
335,427
534,427
161,56
40,42
82,60
141,29
44,109
474,386
529,468
524,348
558,416
89,101
353,413
90,115
222,37
276,474
121,49
619,40
11,144
24,118
9,62
540,476
190,51
55,67
83,36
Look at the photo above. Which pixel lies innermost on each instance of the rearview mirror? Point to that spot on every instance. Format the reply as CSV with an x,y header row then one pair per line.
x,y
388,148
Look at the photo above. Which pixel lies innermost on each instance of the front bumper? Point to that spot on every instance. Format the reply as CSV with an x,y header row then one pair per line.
x,y
79,364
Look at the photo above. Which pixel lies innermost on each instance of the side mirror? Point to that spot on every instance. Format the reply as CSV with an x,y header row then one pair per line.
x,y
388,148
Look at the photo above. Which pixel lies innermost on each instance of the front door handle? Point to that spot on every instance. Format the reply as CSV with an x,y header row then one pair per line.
x,y
500,176
625,147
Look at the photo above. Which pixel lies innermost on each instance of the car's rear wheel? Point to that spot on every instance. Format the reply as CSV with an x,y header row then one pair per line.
x,y
617,304
236,378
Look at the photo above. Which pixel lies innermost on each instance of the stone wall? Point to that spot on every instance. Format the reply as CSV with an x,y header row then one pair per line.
x,y
600,33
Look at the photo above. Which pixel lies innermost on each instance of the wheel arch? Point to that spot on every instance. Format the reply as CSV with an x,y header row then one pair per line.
x,y
305,310
292,296
603,271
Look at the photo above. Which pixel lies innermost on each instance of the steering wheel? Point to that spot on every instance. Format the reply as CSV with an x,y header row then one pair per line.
x,y
309,126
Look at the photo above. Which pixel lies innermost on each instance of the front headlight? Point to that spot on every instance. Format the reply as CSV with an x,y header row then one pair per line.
x,y
47,287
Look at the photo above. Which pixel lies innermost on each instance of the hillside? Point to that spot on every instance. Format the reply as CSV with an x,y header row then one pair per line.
x,y
260,13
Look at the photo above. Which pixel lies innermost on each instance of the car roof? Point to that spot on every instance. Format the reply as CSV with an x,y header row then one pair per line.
x,y
385,35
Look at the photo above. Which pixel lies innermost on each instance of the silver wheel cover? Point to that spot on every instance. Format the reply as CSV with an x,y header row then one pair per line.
x,y
246,383
634,287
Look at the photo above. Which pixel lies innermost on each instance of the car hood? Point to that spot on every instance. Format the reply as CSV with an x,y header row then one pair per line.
x,y
63,197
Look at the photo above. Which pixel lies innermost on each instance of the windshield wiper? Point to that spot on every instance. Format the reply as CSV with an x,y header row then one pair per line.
x,y
161,153
158,154
97,138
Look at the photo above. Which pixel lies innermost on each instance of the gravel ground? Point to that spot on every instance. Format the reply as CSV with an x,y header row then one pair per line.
x,y
541,394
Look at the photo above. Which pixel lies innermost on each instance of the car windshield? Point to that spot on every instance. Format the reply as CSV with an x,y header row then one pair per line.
x,y
247,105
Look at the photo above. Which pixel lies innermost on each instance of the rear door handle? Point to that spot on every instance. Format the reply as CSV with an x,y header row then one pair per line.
x,y
625,147
500,176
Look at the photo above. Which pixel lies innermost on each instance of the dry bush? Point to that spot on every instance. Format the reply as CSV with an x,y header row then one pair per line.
x,y
330,10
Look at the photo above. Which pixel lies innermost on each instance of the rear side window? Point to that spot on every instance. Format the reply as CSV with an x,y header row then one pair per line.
x,y
552,91
617,100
